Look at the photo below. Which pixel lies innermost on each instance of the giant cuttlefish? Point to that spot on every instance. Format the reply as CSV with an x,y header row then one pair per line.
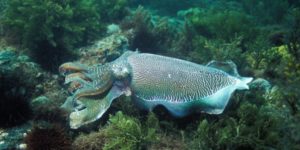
x,y
182,87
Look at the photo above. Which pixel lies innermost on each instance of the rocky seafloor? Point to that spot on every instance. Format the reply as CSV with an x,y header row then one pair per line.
x,y
264,117
40,92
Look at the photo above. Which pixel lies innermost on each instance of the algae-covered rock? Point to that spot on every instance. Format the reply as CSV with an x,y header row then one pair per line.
x,y
52,137
124,132
6,56
41,100
261,36
17,85
121,132
11,138
92,141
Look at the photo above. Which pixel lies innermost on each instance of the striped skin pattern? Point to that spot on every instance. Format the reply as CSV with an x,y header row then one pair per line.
x,y
92,81
163,78
180,86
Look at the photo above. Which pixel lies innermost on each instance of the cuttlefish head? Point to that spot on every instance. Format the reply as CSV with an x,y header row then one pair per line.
x,y
120,71
93,89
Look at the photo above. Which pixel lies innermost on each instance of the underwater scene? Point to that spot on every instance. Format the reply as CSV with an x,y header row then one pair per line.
x,y
149,74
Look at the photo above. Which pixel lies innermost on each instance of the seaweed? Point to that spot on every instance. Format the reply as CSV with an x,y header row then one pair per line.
x,y
14,109
256,126
52,137
61,25
121,132
113,10
292,37
224,25
263,9
92,141
151,33
261,36
125,132
167,7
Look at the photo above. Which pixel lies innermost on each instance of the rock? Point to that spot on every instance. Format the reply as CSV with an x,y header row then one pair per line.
x,y
13,137
3,135
113,28
261,83
39,89
40,76
6,56
22,146
105,50
55,77
41,100
23,58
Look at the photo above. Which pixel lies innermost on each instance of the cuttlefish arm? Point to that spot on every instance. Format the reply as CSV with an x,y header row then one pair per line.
x,y
70,67
87,81
94,88
94,108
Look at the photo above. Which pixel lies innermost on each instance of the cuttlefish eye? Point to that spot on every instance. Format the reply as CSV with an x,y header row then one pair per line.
x,y
120,71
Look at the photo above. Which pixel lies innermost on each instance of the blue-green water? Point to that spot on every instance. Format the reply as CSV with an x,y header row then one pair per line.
x,y
262,37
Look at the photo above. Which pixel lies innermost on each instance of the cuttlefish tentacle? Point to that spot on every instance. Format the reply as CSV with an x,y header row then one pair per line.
x,y
94,109
92,91
72,67
88,81
79,80
74,86
73,76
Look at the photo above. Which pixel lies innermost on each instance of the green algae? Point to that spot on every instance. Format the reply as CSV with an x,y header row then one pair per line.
x,y
262,37
121,132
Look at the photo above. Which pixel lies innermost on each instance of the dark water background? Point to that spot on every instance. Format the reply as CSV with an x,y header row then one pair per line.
x,y
261,36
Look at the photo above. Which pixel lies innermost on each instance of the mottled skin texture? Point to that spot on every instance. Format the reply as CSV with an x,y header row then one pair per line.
x,y
174,80
182,87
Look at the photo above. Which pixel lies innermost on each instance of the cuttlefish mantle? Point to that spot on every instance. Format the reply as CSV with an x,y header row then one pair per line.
x,y
182,87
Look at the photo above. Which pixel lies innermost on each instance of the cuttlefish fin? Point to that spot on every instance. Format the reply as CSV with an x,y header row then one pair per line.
x,y
94,109
227,66
230,68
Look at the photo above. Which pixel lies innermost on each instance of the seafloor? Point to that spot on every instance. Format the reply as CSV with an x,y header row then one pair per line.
x,y
261,36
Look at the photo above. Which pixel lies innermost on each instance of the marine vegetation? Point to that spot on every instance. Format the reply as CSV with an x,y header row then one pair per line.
x,y
168,7
262,37
15,92
50,113
56,22
62,25
244,130
121,132
220,25
180,86
8,106
151,33
52,137
263,9
113,10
